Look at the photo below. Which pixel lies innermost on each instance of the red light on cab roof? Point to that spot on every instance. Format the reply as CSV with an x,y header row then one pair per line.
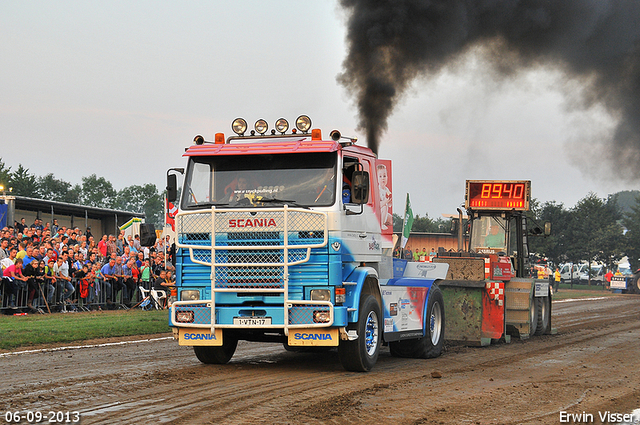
x,y
316,134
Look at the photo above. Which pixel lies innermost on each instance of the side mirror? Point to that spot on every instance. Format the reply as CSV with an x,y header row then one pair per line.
x,y
360,193
547,228
172,187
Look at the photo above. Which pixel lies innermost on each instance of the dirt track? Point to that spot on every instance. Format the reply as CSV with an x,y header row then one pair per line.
x,y
592,365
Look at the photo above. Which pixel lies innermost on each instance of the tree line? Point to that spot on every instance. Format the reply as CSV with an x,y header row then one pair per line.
x,y
595,229
94,191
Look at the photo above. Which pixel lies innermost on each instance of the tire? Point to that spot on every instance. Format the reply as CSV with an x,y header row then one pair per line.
x,y
217,355
360,355
533,316
544,314
430,345
634,287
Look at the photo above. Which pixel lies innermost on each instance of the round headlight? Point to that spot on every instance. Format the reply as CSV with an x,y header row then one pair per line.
x,y
239,126
303,123
282,125
261,126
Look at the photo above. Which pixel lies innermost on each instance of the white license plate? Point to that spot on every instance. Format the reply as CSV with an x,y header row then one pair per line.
x,y
252,321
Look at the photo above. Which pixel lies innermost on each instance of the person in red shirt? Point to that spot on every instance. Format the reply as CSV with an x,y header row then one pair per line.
x,y
11,276
608,276
102,246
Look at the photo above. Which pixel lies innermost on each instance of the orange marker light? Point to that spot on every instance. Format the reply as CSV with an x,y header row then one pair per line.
x,y
316,134
219,140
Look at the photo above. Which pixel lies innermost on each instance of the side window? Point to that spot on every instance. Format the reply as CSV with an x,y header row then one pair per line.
x,y
366,166
349,165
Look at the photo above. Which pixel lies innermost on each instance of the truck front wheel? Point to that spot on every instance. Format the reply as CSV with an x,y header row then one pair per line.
x,y
217,355
360,355
430,345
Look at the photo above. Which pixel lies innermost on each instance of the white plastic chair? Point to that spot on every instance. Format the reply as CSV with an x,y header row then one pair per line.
x,y
156,295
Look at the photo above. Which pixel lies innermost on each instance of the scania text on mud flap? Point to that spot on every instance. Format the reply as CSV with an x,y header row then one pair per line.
x,y
287,237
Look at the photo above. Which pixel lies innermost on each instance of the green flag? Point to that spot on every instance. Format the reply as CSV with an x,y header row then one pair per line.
x,y
408,222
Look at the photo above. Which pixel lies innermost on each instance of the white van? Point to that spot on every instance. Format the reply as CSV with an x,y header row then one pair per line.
x,y
571,271
597,275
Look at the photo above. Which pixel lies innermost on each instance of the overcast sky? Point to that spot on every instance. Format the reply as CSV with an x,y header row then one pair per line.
x,y
119,89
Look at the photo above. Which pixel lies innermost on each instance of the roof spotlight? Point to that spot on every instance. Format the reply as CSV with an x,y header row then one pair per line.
x,y
303,123
239,126
282,125
261,126
198,140
335,135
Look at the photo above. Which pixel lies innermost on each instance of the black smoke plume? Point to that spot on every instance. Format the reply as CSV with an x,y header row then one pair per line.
x,y
595,42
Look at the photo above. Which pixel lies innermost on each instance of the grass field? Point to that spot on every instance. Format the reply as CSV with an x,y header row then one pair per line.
x,y
581,291
30,330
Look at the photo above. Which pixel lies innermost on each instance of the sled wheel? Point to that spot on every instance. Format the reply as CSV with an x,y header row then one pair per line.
x,y
533,315
544,314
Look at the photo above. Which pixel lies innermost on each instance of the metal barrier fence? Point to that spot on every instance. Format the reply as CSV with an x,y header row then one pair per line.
x,y
69,296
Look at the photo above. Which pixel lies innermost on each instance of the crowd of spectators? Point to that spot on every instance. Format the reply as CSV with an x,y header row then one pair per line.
x,y
409,255
52,267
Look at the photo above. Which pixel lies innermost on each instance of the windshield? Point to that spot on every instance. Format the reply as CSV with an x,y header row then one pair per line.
x,y
261,180
488,235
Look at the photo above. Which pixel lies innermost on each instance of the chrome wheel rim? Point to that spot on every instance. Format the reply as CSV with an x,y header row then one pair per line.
x,y
435,323
371,333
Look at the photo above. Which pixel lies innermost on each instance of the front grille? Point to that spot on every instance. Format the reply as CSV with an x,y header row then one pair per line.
x,y
253,236
249,277
250,246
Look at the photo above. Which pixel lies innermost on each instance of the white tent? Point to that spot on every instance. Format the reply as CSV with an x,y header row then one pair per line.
x,y
131,227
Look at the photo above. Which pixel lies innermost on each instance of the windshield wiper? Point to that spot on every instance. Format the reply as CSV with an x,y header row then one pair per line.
x,y
210,204
284,201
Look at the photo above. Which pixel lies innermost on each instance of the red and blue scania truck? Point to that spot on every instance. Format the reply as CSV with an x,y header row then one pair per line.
x,y
285,236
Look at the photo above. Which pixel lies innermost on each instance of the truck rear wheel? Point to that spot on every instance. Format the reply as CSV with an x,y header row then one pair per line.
x,y
360,355
217,355
430,345
544,314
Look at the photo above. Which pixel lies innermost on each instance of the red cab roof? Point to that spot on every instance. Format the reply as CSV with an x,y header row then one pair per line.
x,y
266,147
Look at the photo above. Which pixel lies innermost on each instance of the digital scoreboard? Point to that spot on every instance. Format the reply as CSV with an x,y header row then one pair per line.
x,y
498,195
